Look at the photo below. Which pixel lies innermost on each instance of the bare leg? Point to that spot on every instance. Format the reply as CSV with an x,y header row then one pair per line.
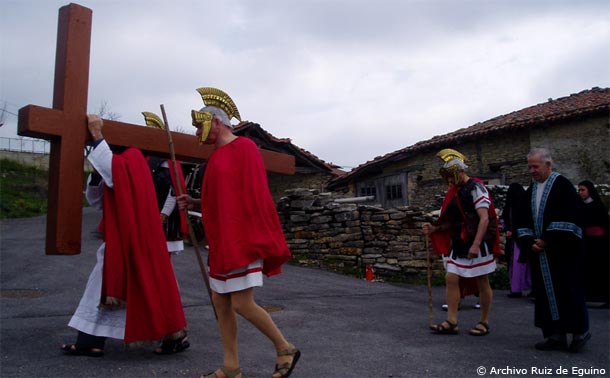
x,y
227,324
453,295
244,304
485,297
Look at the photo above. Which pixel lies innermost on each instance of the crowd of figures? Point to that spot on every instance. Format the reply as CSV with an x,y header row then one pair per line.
x,y
596,256
132,293
553,237
557,248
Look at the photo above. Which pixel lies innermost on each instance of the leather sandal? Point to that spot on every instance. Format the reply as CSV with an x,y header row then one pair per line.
x,y
74,350
236,373
476,331
442,330
172,346
284,370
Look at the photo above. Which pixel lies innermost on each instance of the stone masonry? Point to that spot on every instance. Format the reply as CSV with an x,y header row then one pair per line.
x,y
344,236
321,231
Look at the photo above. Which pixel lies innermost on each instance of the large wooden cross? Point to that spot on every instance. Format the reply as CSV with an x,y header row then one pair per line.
x,y
65,125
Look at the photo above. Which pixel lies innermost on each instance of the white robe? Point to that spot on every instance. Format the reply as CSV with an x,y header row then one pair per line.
x,y
88,317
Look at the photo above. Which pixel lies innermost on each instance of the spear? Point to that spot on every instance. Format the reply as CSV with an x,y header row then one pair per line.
x,y
204,272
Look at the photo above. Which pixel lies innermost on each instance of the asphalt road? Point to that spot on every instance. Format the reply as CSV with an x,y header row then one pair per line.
x,y
344,326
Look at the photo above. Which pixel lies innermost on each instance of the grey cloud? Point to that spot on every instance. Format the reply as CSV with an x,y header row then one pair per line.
x,y
374,76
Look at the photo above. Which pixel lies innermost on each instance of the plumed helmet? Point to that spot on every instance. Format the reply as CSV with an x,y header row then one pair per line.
x,y
153,120
454,162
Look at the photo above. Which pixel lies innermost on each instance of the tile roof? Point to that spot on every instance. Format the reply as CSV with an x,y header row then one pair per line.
x,y
285,144
587,102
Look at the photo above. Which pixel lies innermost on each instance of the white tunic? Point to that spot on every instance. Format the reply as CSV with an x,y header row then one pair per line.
x,y
238,279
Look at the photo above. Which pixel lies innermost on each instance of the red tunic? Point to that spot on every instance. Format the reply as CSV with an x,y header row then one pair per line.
x,y
240,218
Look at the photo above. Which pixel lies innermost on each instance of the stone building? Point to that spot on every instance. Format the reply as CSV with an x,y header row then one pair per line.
x,y
574,128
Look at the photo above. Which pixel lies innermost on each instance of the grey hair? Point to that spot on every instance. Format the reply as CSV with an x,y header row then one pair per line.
x,y
461,165
545,155
218,113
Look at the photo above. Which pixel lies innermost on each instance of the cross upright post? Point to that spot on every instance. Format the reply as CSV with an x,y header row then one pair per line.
x,y
65,126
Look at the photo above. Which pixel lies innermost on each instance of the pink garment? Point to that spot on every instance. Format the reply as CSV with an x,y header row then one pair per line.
x,y
519,273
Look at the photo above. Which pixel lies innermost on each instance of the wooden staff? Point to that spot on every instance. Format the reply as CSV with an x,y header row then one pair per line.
x,y
430,323
204,272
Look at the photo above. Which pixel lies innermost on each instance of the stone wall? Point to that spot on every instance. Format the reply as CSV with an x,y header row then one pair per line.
x,y
348,236
40,161
323,231
579,148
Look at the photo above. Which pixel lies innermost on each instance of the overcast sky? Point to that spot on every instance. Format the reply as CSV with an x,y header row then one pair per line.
x,y
347,80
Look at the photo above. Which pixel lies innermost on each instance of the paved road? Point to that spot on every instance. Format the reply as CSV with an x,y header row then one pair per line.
x,y
344,326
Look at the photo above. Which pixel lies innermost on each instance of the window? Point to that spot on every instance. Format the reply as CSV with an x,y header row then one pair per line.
x,y
393,191
368,190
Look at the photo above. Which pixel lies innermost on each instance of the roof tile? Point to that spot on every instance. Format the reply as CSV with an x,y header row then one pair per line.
x,y
586,102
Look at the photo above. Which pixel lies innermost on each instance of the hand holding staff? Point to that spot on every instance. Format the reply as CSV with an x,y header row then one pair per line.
x,y
179,190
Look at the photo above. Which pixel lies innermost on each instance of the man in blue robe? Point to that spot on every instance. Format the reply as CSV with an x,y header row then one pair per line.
x,y
551,236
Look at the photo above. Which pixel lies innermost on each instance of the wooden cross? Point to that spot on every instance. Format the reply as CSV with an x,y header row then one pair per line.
x,y
65,126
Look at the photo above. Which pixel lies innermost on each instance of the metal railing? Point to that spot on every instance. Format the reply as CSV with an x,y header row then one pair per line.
x,y
35,146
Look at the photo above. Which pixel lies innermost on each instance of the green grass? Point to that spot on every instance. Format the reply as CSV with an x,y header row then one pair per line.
x,y
499,279
23,190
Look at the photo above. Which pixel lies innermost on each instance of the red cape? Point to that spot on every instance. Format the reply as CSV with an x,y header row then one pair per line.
x,y
441,241
137,267
239,215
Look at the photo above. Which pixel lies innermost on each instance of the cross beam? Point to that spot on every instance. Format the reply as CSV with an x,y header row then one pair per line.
x,y
65,126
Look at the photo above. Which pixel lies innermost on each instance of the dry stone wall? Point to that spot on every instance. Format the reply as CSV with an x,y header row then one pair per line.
x,y
325,233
